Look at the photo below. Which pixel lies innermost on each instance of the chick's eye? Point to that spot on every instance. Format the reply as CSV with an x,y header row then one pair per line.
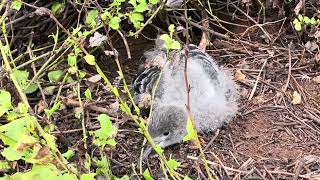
x,y
166,133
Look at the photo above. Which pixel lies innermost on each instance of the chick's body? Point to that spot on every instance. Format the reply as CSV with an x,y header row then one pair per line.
x,y
213,95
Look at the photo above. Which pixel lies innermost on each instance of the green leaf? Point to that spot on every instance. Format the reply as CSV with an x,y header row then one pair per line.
x,y
191,131
306,20
171,28
51,140
72,59
170,43
90,59
167,40
82,74
55,76
57,7
87,94
136,19
5,102
125,177
105,15
69,154
4,165
142,7
114,22
23,108
298,26
313,21
12,115
133,2
103,136
103,166
147,175
296,21
153,1
187,178
300,17
173,164
91,17
21,76
54,108
111,142
16,136
33,87
175,45
49,90
69,79
11,154
89,176
16,4
48,172
72,70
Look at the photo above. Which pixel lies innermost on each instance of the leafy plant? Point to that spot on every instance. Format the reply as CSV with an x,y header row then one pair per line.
x,y
16,4
87,94
54,108
170,43
304,20
22,78
57,7
147,175
104,135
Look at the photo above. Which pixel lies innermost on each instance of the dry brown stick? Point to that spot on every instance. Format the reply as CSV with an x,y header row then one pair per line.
x,y
256,23
290,68
216,164
220,163
268,173
257,80
74,103
298,169
205,39
212,140
261,107
125,44
290,174
203,28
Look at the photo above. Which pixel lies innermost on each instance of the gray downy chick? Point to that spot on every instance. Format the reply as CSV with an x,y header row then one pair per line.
x,y
213,94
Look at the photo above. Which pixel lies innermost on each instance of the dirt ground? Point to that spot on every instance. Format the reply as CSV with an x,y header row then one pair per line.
x,y
269,139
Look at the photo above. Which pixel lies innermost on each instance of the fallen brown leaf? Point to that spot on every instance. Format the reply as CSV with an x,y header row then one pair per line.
x,y
296,98
239,76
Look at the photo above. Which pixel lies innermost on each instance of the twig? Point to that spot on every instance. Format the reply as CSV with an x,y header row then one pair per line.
x,y
216,164
289,71
203,28
205,39
125,44
257,80
257,24
187,85
74,103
